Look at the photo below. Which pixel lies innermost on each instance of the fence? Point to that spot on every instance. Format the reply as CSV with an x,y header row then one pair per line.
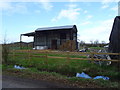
x,y
62,55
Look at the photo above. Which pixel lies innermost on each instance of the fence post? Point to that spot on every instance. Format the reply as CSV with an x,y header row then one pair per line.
x,y
92,57
13,54
46,58
28,56
68,58
29,52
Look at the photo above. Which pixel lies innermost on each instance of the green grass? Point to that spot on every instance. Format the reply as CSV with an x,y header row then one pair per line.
x,y
64,66
96,48
19,48
53,76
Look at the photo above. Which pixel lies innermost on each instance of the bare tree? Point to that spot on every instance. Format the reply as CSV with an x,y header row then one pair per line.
x,y
96,42
82,43
103,42
91,42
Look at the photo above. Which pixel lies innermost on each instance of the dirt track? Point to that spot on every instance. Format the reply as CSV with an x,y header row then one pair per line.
x,y
15,82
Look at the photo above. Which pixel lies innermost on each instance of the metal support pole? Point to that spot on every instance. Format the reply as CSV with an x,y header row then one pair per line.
x,y
20,41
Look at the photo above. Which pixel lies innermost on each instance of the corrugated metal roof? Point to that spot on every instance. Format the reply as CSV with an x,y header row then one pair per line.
x,y
56,28
29,34
67,27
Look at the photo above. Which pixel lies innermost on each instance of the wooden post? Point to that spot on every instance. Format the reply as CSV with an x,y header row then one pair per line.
x,y
29,54
68,58
92,57
46,59
13,55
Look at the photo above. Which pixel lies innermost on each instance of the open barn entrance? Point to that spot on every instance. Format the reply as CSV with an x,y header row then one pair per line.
x,y
54,44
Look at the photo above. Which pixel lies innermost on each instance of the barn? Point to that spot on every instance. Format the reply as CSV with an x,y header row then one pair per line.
x,y
53,37
114,44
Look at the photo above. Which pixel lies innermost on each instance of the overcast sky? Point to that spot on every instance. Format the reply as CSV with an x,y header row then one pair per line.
x,y
94,20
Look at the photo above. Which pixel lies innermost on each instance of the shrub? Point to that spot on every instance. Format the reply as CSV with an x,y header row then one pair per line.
x,y
5,53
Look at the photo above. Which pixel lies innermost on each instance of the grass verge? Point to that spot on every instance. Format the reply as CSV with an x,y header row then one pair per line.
x,y
33,73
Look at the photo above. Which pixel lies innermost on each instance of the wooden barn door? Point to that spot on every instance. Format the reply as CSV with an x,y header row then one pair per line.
x,y
54,44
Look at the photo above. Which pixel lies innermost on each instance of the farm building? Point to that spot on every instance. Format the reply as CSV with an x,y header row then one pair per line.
x,y
53,37
114,44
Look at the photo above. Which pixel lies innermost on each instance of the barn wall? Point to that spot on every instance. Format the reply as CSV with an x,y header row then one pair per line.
x,y
52,36
114,44
40,40
45,38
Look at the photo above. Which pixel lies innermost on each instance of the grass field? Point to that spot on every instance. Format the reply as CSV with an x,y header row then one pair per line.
x,y
63,66
96,48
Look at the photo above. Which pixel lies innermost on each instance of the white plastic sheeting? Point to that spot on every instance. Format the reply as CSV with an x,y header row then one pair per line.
x,y
18,67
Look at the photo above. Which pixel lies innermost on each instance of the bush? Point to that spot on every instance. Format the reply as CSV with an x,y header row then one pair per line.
x,y
5,53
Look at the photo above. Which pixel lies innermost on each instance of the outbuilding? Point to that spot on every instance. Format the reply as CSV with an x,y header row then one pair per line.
x,y
53,37
114,44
